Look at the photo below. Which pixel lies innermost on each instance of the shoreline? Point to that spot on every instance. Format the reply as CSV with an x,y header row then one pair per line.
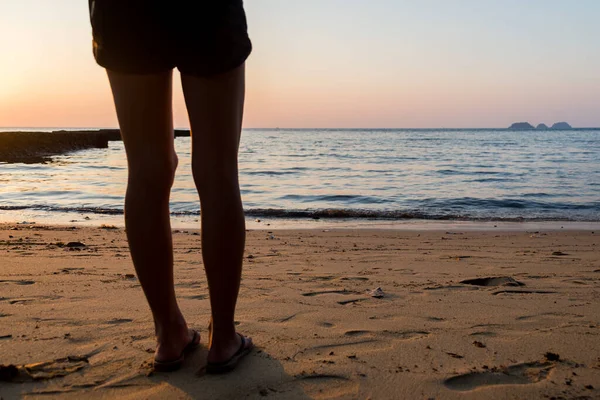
x,y
525,329
35,217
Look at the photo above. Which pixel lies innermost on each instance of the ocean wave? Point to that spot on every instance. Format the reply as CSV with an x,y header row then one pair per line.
x,y
351,214
82,210
508,203
269,173
338,198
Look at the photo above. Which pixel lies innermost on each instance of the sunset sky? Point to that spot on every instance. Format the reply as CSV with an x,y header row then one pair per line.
x,y
339,63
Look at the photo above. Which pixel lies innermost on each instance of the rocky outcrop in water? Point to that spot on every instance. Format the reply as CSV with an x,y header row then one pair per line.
x,y
38,147
562,126
521,126
542,127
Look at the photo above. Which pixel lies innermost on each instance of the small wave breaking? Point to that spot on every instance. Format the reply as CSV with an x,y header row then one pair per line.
x,y
328,213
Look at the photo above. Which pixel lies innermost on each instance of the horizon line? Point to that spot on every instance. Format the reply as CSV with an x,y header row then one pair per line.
x,y
296,128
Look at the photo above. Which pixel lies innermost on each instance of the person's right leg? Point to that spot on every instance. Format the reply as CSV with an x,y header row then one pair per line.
x,y
143,104
215,107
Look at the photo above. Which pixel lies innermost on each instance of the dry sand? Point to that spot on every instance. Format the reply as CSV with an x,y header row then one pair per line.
x,y
304,301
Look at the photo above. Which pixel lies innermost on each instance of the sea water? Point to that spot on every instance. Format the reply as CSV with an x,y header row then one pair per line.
x,y
369,175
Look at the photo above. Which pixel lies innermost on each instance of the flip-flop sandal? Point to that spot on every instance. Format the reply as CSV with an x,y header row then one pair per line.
x,y
229,365
173,365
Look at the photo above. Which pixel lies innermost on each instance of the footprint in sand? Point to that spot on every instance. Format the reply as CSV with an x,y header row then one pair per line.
x,y
320,278
28,300
342,291
435,319
334,345
488,326
324,385
523,292
536,276
484,333
357,333
519,374
576,281
117,321
493,281
405,335
451,287
405,271
43,370
325,377
352,301
197,297
69,270
545,315
17,282
191,285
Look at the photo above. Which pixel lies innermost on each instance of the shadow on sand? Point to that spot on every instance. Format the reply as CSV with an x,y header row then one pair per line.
x,y
257,376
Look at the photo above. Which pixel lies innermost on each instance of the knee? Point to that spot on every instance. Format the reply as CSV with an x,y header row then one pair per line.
x,y
216,177
155,173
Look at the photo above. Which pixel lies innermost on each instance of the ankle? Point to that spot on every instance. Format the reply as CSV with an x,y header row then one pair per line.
x,y
170,326
223,333
224,343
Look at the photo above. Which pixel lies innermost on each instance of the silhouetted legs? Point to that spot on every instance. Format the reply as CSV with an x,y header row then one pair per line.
x,y
215,108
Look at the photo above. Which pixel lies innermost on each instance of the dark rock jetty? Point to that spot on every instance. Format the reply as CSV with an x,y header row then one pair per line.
x,y
39,147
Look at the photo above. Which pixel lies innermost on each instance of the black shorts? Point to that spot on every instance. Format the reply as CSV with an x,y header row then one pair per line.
x,y
199,37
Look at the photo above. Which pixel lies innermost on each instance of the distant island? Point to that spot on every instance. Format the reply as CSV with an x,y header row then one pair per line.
x,y
521,126
561,125
526,126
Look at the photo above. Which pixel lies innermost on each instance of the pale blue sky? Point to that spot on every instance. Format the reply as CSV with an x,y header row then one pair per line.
x,y
340,63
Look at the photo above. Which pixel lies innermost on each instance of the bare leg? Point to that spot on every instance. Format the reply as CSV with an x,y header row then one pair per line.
x,y
215,107
143,104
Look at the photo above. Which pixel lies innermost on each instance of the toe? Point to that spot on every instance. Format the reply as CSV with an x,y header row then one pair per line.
x,y
248,344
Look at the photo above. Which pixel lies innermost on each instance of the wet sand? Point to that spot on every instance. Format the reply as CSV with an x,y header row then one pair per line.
x,y
69,299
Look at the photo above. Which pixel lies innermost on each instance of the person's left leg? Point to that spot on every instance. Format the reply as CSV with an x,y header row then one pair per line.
x,y
215,107
144,110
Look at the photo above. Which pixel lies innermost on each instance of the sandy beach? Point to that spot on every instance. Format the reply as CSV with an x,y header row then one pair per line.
x,y
74,323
